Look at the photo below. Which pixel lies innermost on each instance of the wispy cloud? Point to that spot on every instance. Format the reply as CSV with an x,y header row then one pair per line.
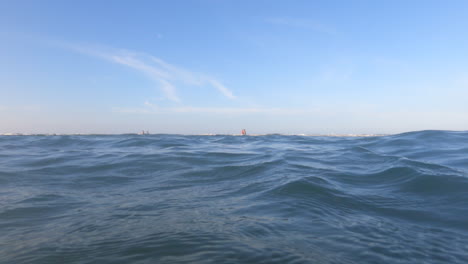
x,y
150,108
163,73
302,23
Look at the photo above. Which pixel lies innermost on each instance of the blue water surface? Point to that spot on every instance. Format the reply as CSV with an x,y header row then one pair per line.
x,y
234,199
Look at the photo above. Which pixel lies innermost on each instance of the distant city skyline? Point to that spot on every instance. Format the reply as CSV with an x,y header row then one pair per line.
x,y
202,67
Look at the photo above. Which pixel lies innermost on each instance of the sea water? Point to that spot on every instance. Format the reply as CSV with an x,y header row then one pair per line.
x,y
234,199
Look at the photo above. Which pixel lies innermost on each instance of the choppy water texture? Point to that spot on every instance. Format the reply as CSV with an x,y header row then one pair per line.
x,y
233,199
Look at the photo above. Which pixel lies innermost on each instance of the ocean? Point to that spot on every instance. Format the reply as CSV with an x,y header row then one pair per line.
x,y
234,199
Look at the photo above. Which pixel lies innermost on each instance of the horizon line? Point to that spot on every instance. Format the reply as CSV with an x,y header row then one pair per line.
x,y
229,134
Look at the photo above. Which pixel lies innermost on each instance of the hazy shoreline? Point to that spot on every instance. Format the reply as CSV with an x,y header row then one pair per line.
x,y
269,134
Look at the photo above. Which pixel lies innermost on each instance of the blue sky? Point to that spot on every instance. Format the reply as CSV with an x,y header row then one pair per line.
x,y
196,67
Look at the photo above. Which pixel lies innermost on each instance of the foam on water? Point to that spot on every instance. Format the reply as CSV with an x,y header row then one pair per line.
x,y
230,199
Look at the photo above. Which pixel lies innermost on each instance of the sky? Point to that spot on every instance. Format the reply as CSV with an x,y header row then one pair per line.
x,y
218,66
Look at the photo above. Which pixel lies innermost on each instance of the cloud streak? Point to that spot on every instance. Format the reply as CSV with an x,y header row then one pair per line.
x,y
301,23
164,74
150,108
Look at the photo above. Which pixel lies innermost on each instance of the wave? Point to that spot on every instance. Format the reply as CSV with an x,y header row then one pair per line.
x,y
222,198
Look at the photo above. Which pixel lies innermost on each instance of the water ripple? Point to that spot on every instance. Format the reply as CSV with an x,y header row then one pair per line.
x,y
232,199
